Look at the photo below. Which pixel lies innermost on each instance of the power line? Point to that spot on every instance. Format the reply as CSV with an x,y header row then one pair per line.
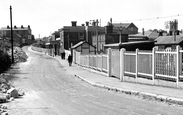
x,y
148,19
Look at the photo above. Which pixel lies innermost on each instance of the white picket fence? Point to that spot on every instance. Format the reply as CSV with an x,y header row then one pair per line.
x,y
152,65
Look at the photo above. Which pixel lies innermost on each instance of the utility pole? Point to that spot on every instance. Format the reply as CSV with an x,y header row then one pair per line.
x,y
97,34
11,35
175,29
68,41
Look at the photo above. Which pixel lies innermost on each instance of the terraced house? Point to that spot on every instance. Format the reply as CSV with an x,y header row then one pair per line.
x,y
21,35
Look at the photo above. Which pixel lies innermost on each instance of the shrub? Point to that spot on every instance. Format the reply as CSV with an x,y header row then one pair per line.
x,y
5,61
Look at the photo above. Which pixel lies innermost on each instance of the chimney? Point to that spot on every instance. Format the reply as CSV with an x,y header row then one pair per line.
x,y
22,26
87,23
8,27
74,23
15,27
111,20
109,29
93,23
160,33
29,26
142,31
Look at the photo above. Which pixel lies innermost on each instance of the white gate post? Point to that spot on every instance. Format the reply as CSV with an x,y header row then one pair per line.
x,y
109,62
177,65
153,64
122,63
136,66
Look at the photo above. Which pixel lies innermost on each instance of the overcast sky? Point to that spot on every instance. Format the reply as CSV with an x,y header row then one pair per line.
x,y
47,16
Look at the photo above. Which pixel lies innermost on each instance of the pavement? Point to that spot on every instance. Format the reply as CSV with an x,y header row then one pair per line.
x,y
100,79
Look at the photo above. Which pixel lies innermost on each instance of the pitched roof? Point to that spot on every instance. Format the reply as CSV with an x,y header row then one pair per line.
x,y
169,40
78,44
17,28
121,24
149,34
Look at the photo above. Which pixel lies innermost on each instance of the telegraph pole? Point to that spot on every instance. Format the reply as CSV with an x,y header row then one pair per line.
x,y
97,35
11,35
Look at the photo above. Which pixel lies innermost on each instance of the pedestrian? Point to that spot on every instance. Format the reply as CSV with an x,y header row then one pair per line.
x,y
70,59
64,55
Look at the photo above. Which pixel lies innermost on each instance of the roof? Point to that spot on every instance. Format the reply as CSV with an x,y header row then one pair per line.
x,y
80,43
129,43
121,24
17,28
169,39
149,34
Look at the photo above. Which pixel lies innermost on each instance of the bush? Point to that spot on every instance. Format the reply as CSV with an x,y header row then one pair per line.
x,y
5,61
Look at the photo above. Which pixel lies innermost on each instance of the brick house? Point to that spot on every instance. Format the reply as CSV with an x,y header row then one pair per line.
x,y
21,35
127,28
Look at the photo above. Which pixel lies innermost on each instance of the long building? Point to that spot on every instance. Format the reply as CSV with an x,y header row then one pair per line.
x,y
21,35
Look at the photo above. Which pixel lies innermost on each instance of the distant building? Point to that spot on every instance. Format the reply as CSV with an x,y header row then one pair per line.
x,y
108,38
169,41
84,47
71,35
127,28
145,35
21,35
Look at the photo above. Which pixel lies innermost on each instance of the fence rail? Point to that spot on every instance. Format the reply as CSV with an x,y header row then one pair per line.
x,y
155,64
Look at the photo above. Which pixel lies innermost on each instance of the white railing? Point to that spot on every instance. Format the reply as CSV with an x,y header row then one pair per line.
x,y
153,65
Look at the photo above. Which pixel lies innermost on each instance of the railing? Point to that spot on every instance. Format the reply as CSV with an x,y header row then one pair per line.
x,y
152,65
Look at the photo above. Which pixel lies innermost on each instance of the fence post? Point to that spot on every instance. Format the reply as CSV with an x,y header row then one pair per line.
x,y
177,65
122,67
153,64
180,61
136,66
109,62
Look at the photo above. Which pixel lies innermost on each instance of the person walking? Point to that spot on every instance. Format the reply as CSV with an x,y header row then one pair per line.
x,y
70,59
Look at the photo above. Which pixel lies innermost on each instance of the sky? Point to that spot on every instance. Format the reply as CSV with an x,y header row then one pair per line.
x,y
47,16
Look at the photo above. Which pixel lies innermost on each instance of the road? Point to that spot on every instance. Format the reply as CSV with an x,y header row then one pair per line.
x,y
51,90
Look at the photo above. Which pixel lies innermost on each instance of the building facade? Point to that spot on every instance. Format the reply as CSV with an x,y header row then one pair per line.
x,y
21,35
125,28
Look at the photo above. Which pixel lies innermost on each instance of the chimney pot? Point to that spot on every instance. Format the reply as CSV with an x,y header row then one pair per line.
x,y
74,23
87,23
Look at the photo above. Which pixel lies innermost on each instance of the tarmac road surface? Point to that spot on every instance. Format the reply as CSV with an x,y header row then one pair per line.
x,y
50,89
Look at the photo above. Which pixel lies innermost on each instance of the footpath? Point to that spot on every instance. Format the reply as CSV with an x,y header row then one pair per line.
x,y
99,79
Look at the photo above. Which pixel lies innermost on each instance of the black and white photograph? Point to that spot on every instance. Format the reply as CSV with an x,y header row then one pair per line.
x,y
91,57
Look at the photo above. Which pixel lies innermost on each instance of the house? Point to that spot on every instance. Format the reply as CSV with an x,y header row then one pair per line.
x,y
21,35
127,28
84,47
71,35
93,30
108,38
162,42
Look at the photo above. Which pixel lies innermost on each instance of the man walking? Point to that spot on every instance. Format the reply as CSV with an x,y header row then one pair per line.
x,y
70,59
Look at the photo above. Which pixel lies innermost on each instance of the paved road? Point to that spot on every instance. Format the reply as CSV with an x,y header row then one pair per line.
x,y
52,90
